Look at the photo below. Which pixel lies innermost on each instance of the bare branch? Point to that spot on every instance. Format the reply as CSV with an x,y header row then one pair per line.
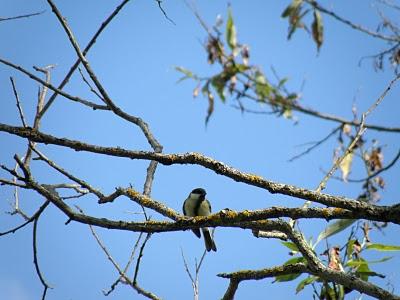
x,y
194,280
349,149
85,51
316,144
132,256
51,87
135,285
193,158
118,111
328,117
20,111
391,164
317,6
22,16
35,255
31,219
237,277
159,2
81,182
360,132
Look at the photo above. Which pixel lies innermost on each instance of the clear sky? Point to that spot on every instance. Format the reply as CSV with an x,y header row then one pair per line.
x,y
134,59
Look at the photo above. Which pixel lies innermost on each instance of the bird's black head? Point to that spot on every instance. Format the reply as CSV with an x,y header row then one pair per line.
x,y
199,191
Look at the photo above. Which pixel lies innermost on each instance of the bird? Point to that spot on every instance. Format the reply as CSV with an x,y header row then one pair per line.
x,y
196,204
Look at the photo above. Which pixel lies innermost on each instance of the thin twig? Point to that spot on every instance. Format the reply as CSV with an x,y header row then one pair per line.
x,y
360,132
132,256
12,183
135,285
35,255
391,164
85,51
106,252
20,111
89,85
163,11
39,107
120,271
107,99
194,280
325,116
81,182
317,6
338,161
22,16
53,88
31,219
315,144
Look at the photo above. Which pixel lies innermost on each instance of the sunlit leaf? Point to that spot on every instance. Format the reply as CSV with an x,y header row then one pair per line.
x,y
290,277
363,270
381,247
218,82
318,29
282,82
188,74
345,165
327,292
334,228
207,93
291,246
295,260
292,7
288,113
355,263
263,89
305,282
353,249
295,21
231,31
196,91
366,274
287,277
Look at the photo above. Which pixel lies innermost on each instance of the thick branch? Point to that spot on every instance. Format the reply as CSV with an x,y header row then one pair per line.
x,y
209,163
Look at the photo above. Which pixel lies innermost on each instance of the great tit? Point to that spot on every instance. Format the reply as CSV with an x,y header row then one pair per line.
x,y
196,204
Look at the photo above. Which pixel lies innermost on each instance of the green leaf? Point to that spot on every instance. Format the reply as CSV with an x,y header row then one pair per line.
x,y
349,248
288,113
291,246
327,292
231,31
291,8
188,73
287,277
363,270
282,82
206,92
290,277
356,263
334,228
218,82
381,247
263,89
367,274
241,68
304,282
318,29
295,260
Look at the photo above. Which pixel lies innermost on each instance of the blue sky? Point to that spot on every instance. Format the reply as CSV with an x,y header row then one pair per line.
x,y
134,59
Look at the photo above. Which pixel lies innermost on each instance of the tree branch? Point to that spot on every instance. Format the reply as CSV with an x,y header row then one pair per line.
x,y
207,162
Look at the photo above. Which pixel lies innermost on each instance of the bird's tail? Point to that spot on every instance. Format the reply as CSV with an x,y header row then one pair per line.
x,y
208,240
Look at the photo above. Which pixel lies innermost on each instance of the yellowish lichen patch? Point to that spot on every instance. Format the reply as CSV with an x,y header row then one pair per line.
x,y
254,178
